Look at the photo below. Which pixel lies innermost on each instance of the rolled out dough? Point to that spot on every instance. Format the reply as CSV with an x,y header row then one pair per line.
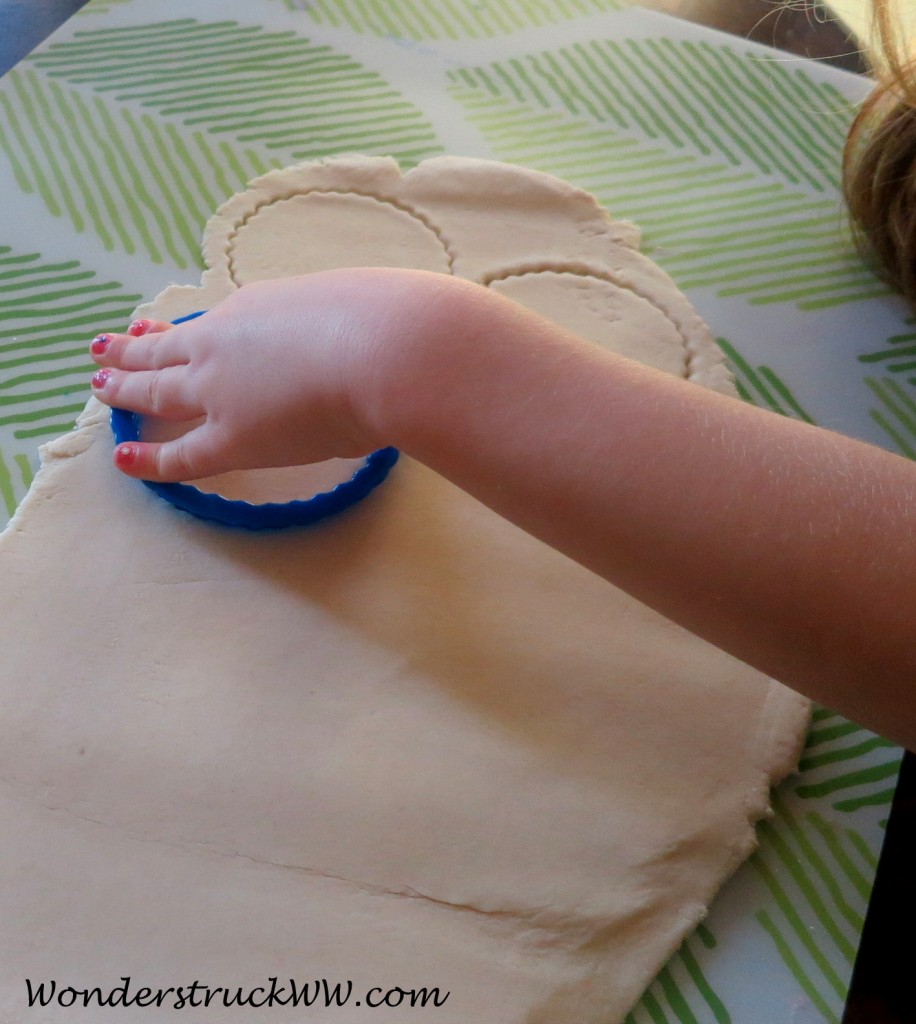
x,y
411,746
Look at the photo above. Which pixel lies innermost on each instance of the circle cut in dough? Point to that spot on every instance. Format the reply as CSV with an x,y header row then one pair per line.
x,y
603,311
325,231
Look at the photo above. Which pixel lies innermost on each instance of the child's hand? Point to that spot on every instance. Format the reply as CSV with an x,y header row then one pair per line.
x,y
787,545
273,376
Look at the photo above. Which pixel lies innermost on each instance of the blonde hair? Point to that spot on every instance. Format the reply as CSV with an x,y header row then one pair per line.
x,y
880,158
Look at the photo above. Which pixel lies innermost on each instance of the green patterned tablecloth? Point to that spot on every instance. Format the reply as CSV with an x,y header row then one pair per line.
x,y
121,134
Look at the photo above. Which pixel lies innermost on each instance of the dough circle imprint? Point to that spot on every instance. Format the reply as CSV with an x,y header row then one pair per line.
x,y
350,230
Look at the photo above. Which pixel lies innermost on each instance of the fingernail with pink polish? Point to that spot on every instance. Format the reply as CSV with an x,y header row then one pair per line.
x,y
138,327
126,454
100,378
99,343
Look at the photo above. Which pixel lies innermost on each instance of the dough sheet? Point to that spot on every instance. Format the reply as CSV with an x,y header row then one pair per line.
x,y
410,746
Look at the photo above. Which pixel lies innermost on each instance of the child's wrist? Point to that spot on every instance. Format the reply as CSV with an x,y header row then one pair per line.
x,y
405,360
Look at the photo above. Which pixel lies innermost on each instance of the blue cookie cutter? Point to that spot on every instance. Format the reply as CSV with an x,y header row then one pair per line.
x,y
271,515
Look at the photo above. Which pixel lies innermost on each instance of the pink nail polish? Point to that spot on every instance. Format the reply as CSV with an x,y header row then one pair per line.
x,y
138,327
100,378
99,343
126,454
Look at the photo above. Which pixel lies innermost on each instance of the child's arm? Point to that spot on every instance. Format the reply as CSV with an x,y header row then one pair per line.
x,y
790,546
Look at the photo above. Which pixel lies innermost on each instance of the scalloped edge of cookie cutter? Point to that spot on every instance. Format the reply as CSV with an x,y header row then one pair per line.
x,y
125,426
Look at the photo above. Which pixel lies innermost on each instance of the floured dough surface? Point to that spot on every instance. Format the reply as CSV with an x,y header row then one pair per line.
x,y
411,746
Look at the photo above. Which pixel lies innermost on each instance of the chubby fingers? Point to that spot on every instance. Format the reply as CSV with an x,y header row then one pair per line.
x,y
155,349
163,393
143,370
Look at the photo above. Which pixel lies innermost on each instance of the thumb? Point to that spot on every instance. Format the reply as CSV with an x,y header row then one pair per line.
x,y
164,462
